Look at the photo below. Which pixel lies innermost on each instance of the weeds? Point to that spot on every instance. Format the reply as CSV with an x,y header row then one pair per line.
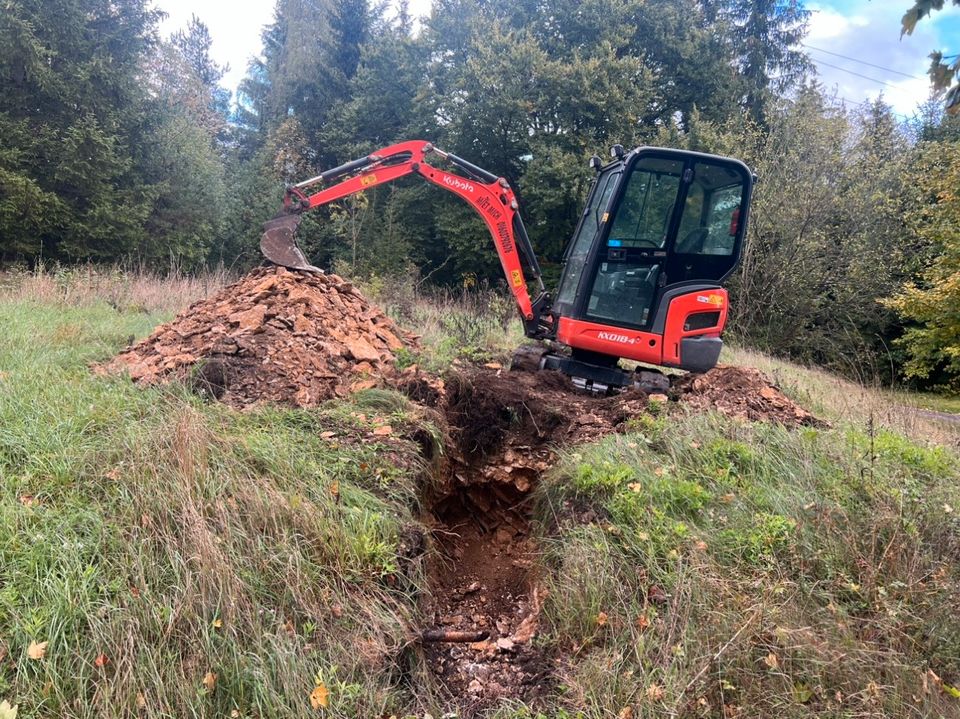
x,y
747,570
477,325
126,291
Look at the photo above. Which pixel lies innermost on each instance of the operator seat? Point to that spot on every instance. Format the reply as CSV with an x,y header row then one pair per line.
x,y
692,243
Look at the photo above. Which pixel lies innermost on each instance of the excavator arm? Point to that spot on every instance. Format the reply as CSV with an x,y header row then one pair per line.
x,y
490,196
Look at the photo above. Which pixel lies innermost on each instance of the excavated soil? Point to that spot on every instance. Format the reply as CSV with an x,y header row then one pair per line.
x,y
743,393
300,339
273,336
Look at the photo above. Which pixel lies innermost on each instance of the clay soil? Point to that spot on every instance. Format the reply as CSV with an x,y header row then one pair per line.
x,y
301,339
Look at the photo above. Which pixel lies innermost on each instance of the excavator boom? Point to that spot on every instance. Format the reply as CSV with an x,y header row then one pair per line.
x,y
490,196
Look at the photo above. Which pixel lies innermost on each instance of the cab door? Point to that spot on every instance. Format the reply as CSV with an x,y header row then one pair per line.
x,y
628,265
706,245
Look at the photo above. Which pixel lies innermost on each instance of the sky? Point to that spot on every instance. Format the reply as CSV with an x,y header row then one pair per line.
x,y
867,32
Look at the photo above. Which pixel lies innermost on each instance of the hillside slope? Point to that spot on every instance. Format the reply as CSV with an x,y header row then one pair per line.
x,y
167,556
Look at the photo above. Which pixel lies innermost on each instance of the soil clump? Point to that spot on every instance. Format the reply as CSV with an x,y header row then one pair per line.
x,y
273,336
742,393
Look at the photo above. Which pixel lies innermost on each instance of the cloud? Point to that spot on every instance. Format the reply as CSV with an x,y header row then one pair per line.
x,y
827,23
870,32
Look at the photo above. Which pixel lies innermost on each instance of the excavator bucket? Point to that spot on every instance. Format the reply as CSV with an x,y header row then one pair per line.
x,y
279,246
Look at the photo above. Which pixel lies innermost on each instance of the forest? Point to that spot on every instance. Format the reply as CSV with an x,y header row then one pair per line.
x,y
119,147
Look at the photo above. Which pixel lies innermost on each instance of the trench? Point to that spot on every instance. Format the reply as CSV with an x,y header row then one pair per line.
x,y
503,432
483,587
481,573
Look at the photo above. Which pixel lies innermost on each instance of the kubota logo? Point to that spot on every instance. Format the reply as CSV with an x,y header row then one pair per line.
x,y
613,337
715,300
459,184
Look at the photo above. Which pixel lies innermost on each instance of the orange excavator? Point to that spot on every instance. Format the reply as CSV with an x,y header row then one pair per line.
x,y
643,274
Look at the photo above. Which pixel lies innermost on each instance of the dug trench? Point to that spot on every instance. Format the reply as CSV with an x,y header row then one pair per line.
x,y
504,430
483,599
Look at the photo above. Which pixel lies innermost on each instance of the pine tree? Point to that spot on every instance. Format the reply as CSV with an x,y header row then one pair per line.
x,y
194,45
350,25
765,35
73,117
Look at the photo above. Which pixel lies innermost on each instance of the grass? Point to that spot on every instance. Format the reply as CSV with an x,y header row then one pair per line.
x,y
936,403
747,570
126,291
182,559
152,541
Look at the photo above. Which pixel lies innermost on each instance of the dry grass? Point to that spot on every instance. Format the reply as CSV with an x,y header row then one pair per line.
x,y
841,400
475,324
125,291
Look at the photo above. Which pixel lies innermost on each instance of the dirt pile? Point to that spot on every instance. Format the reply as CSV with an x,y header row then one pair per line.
x,y
744,393
274,336
513,419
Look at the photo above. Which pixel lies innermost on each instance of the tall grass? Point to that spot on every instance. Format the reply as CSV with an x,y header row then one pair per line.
x,y
704,567
152,540
475,324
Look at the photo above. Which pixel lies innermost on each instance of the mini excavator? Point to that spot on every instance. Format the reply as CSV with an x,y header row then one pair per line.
x,y
643,275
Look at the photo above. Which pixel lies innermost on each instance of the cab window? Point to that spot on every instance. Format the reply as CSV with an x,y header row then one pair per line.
x,y
711,212
643,215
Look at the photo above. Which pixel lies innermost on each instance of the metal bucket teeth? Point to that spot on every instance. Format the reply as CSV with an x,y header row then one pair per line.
x,y
280,247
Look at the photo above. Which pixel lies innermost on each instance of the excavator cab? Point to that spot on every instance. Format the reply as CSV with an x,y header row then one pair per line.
x,y
643,273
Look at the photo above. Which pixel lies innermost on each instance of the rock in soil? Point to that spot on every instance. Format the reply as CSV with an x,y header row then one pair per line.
x,y
480,581
274,336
